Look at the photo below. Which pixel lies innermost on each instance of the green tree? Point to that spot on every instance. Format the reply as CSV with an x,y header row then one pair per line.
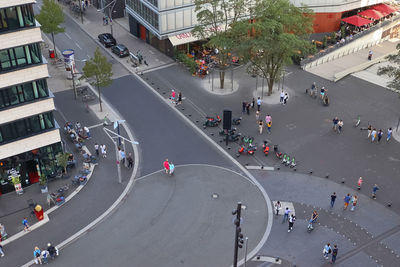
x,y
62,160
50,17
393,70
214,19
100,69
277,33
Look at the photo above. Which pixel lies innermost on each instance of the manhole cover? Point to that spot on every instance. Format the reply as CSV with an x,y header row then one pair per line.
x,y
214,195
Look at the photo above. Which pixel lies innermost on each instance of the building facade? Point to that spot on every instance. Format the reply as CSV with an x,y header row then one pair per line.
x,y
168,23
29,135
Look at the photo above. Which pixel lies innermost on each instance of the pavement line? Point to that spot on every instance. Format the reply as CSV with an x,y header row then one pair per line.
x,y
78,45
259,186
267,259
165,65
96,125
66,34
266,168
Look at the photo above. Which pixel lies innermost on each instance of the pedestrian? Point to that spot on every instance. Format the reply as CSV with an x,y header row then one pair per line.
x,y
340,126
1,251
373,135
26,224
253,103
333,199
285,98
173,95
281,97
257,115
179,98
335,122
380,134
291,220
53,251
171,168
244,105
77,126
86,3
374,189
122,156
277,207
36,256
3,233
359,183
130,160
354,200
45,256
87,132
286,215
258,104
248,109
370,55
96,147
346,199
334,253
260,126
103,150
269,126
166,166
389,134
369,130
327,250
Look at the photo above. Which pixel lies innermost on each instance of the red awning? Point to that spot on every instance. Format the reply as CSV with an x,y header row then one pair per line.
x,y
384,9
357,21
371,13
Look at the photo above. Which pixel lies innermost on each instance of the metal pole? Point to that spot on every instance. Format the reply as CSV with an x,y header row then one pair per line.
x,y
237,222
80,5
398,123
111,20
232,78
283,78
245,253
119,138
73,82
118,162
212,80
262,88
256,83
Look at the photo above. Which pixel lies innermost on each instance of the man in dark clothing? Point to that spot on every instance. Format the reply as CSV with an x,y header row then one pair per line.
x,y
333,199
130,160
334,253
52,250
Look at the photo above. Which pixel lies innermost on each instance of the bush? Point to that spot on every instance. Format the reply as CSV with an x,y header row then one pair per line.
x,y
187,61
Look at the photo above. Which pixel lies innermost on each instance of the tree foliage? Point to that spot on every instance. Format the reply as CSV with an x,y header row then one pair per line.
x,y
393,71
214,19
100,69
62,160
50,17
277,32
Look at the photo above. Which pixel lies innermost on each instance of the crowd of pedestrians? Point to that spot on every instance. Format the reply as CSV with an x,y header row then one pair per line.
x,y
376,135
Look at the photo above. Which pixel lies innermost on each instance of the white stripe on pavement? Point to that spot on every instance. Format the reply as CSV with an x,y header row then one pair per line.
x,y
263,168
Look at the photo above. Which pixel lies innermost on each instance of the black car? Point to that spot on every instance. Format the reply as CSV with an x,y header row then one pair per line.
x,y
107,39
120,50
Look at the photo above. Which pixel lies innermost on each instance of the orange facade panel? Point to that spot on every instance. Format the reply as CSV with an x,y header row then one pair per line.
x,y
327,22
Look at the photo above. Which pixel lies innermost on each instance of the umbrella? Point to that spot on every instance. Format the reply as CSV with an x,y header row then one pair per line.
x,y
371,13
385,9
356,20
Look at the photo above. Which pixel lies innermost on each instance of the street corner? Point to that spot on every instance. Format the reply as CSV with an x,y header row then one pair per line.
x,y
210,193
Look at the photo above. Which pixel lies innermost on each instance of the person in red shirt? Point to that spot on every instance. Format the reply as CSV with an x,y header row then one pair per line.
x,y
166,166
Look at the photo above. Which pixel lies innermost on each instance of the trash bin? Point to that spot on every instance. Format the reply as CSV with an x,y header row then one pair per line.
x,y
39,212
51,53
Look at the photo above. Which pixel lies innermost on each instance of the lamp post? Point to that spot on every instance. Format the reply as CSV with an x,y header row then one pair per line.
x,y
72,66
238,235
110,7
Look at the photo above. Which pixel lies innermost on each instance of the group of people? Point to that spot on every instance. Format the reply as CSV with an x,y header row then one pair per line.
x,y
337,124
100,148
378,134
43,256
283,97
176,100
329,250
169,167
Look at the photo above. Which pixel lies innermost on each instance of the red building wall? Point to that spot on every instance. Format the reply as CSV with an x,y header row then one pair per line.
x,y
327,22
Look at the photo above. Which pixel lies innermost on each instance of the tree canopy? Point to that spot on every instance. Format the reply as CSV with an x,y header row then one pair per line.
x,y
393,70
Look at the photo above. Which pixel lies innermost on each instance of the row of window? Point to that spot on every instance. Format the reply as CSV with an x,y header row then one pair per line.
x,y
12,18
23,93
26,127
20,56
143,11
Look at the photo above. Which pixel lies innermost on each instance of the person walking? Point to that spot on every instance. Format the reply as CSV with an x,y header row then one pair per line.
x,y
346,199
281,97
335,122
333,199
96,147
179,99
327,250
3,233
26,224
253,103
334,253
354,200
173,94
268,122
389,134
277,207
359,183
340,126
244,105
1,251
87,131
103,150
269,125
36,256
166,166
291,220
258,104
260,126
285,98
380,134
286,215
370,53
130,160
369,130
374,189
257,115
373,135
248,108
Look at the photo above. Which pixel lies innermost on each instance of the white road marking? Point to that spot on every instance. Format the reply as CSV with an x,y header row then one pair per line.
x,y
263,168
267,259
66,34
78,46
97,125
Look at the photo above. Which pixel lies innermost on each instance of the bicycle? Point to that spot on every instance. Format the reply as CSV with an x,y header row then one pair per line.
x,y
358,121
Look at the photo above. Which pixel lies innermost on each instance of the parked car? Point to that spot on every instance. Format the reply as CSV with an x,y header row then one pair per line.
x,y
120,50
107,39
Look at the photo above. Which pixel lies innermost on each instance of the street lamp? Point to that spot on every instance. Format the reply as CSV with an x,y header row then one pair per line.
x,y
238,233
72,66
110,6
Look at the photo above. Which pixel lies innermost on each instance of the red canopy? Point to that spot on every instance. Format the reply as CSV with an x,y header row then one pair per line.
x,y
356,20
371,13
384,9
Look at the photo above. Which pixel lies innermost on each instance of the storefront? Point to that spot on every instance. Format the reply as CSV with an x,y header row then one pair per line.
x,y
29,165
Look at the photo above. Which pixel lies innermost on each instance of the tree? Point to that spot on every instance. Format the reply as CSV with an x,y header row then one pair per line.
x,y
393,71
277,32
50,17
214,19
100,69
62,160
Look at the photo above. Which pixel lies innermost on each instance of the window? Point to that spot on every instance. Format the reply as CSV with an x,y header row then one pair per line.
x,y
20,56
143,11
23,93
12,18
